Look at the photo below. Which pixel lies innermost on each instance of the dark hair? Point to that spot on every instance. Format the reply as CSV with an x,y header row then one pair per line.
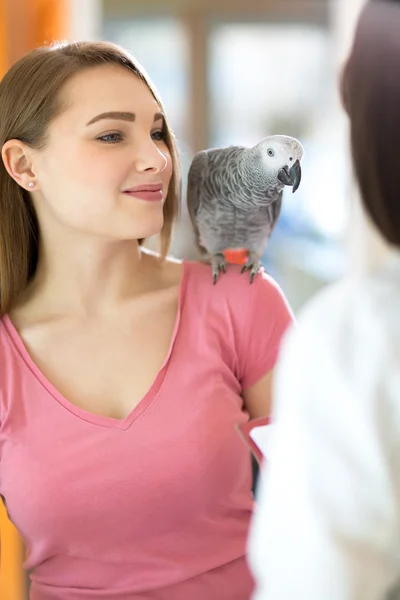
x,y
371,95
29,99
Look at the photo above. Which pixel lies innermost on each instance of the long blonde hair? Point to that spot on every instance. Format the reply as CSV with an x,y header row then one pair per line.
x,y
30,97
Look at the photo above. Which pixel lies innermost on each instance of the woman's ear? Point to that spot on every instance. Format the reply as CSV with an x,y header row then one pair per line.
x,y
17,160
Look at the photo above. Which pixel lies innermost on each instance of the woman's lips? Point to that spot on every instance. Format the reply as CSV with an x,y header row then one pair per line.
x,y
149,193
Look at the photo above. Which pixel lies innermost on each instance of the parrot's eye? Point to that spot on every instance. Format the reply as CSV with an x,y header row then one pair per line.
x,y
270,152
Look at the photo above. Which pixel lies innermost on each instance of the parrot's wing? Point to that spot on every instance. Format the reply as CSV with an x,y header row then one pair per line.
x,y
195,188
275,210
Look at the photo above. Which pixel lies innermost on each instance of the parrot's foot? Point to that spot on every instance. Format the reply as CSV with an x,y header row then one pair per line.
x,y
253,265
218,264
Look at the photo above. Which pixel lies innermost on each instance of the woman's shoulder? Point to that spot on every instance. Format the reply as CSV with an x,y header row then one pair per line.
x,y
11,368
233,285
260,308
250,319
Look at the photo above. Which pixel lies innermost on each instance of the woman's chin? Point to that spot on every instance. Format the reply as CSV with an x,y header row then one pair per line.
x,y
144,230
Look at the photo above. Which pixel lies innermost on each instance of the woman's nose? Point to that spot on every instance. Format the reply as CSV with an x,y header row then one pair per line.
x,y
150,157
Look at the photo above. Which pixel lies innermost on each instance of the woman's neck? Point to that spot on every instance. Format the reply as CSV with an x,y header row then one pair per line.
x,y
89,277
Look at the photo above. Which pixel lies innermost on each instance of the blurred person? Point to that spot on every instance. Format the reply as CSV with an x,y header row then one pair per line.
x,y
124,374
328,523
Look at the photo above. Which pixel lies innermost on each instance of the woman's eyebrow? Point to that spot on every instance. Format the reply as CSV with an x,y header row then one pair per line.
x,y
117,115
122,116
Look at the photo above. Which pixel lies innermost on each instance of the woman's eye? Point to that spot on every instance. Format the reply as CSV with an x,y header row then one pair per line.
x,y
111,138
159,136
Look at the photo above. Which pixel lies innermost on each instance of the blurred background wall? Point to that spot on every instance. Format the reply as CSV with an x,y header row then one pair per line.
x,y
231,72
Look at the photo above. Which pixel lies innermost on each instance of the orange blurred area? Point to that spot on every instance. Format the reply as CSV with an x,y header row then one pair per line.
x,y
24,25
11,559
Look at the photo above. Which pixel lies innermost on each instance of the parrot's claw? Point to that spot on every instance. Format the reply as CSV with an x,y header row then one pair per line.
x,y
218,265
253,265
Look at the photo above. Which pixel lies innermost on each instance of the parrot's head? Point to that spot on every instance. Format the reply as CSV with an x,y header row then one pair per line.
x,y
281,157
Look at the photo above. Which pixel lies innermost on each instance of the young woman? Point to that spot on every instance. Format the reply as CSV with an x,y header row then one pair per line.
x,y
123,375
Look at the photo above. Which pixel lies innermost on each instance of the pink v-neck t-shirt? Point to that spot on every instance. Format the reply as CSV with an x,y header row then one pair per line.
x,y
155,506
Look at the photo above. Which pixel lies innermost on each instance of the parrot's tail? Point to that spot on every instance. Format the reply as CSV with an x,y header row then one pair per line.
x,y
236,256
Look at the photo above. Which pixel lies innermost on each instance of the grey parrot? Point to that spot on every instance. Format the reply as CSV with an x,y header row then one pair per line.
x,y
234,197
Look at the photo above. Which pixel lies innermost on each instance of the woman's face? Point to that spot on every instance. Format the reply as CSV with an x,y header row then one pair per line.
x,y
105,168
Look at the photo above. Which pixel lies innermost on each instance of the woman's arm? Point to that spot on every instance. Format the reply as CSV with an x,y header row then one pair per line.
x,y
257,398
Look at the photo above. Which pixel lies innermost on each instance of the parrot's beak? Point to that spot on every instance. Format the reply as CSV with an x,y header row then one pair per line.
x,y
295,175
291,176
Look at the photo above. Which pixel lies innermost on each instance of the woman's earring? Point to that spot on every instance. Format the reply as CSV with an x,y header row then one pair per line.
x,y
31,184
